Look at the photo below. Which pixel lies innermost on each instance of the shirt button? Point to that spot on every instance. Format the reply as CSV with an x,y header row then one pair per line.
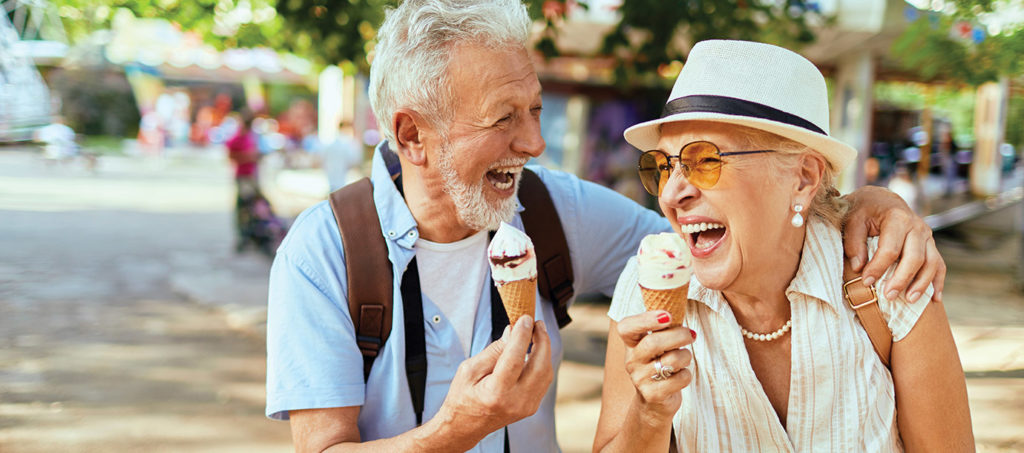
x,y
436,319
391,233
412,234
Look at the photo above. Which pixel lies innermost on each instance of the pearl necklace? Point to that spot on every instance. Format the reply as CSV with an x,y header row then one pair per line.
x,y
767,336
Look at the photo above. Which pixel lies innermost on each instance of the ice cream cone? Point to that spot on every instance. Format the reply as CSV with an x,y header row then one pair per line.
x,y
519,298
671,300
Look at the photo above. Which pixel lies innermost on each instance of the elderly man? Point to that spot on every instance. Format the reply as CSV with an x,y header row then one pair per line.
x,y
459,103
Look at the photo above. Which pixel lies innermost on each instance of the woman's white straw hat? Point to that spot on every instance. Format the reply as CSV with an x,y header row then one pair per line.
x,y
755,85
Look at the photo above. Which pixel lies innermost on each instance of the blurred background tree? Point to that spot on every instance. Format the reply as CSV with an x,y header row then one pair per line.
x,y
963,42
655,33
652,32
221,23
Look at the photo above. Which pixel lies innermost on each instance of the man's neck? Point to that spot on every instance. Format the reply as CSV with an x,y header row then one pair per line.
x,y
434,211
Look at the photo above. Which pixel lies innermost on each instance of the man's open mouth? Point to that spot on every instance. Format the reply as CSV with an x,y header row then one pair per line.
x,y
703,235
504,178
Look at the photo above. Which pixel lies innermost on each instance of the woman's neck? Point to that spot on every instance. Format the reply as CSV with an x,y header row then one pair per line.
x,y
758,299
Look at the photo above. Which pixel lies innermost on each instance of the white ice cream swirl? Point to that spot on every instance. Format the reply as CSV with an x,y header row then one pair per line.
x,y
511,255
663,261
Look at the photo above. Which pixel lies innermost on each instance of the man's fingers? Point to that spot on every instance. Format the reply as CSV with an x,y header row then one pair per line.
x,y
939,281
855,238
538,367
483,363
913,256
510,363
634,328
890,242
924,275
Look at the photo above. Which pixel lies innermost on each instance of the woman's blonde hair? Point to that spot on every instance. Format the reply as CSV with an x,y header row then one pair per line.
x,y
827,203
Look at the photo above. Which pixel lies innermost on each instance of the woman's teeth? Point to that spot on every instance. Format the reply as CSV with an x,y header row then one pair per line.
x,y
699,227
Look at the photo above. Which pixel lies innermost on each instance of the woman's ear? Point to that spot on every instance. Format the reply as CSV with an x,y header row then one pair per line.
x,y
409,135
811,171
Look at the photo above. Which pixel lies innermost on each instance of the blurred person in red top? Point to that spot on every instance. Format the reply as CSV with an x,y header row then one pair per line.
x,y
244,155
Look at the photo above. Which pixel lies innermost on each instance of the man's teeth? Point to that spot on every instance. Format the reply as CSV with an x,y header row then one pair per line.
x,y
698,227
509,173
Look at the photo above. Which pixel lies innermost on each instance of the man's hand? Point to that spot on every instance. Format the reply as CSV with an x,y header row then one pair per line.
x,y
902,235
499,386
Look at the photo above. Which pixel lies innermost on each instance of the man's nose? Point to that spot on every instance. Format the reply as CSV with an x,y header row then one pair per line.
x,y
528,140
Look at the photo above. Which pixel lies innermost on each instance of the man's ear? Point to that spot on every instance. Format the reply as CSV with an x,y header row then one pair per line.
x,y
409,135
812,170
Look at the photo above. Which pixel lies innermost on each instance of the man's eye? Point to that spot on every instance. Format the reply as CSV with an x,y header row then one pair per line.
x,y
504,119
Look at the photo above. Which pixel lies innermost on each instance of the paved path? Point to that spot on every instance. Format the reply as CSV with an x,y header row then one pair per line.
x,y
98,351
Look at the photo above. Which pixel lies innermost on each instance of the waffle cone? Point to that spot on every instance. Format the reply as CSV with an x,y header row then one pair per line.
x,y
519,298
671,300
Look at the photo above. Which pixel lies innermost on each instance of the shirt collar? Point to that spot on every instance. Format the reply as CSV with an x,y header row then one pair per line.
x,y
819,275
396,220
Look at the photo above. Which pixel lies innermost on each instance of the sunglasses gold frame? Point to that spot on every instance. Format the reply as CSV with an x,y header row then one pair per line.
x,y
655,166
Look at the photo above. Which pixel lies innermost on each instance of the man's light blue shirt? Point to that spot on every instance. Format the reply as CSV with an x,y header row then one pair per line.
x,y
312,357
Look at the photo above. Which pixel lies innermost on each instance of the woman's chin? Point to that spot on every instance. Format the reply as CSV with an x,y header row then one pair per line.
x,y
711,278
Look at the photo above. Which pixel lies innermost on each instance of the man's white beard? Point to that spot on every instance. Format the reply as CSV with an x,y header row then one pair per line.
x,y
471,206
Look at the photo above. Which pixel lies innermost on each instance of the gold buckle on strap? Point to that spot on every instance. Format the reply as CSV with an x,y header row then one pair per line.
x,y
849,299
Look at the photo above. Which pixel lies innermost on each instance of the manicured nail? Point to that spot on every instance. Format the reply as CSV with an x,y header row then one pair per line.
x,y
855,262
914,296
664,318
937,296
693,334
505,333
891,295
868,281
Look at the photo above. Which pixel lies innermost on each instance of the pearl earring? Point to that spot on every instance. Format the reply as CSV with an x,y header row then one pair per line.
x,y
798,220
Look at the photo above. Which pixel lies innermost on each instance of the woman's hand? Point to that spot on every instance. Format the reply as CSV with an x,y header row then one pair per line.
x,y
650,345
902,235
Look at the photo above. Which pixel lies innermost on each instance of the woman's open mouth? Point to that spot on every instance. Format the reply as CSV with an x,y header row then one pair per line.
x,y
703,237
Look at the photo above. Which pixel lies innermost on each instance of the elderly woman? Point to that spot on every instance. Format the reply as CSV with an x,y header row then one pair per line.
x,y
770,356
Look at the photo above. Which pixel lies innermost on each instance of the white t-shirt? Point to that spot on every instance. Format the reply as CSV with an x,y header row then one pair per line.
x,y
452,275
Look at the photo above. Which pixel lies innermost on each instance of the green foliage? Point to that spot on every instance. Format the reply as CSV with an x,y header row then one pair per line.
x,y
661,24
954,103
1015,122
208,18
330,31
929,48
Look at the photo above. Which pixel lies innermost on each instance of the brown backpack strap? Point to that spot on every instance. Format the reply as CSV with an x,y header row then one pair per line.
x,y
542,224
367,267
864,301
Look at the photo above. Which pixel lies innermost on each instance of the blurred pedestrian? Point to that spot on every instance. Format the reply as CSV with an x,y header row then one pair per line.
x,y
244,155
341,156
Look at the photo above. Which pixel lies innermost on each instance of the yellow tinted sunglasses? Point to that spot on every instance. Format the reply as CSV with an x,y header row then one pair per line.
x,y
701,163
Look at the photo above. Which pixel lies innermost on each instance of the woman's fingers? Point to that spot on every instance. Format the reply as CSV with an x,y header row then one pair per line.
x,y
654,387
643,372
658,343
634,328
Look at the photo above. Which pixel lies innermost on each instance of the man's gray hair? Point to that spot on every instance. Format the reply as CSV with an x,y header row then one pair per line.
x,y
414,47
